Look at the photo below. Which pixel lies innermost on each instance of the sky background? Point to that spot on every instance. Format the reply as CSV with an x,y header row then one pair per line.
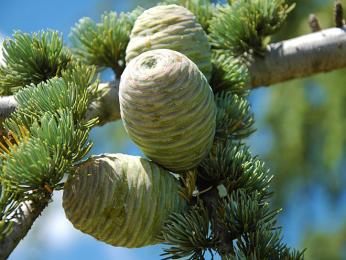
x,y
52,236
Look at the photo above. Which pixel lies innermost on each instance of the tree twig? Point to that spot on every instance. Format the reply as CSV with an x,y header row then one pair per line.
x,y
22,221
314,23
106,106
338,14
304,56
7,105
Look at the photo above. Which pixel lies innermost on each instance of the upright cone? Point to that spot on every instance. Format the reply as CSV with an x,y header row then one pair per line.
x,y
168,108
122,200
171,27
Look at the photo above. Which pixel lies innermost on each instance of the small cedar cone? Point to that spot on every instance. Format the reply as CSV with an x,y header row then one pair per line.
x,y
171,27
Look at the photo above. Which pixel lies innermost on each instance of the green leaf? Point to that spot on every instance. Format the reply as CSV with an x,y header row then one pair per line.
x,y
50,136
30,59
188,234
234,118
103,44
232,164
245,25
229,73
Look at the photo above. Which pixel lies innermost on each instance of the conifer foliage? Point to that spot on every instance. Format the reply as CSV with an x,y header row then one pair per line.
x,y
226,208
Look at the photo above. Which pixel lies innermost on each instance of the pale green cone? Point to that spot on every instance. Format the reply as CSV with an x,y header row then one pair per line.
x,y
168,108
171,27
122,200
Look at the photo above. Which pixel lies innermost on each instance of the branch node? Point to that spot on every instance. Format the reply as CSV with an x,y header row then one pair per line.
x,y
314,23
338,14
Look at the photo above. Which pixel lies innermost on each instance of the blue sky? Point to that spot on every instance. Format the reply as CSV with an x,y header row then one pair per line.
x,y
61,15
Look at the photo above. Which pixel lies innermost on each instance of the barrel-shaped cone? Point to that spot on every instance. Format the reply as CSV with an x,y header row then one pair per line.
x,y
122,200
168,108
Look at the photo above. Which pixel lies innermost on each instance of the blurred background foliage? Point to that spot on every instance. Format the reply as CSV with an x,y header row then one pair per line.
x,y
301,133
307,123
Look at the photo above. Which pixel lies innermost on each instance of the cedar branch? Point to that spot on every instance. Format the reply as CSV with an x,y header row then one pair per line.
x,y
23,219
299,57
